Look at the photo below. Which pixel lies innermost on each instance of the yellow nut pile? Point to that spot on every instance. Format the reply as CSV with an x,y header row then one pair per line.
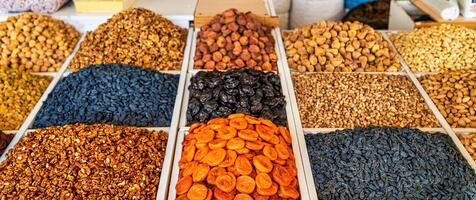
x,y
19,94
339,47
454,93
135,36
469,142
437,49
35,43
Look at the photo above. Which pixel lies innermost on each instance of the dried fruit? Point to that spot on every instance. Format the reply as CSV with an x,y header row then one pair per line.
x,y
245,184
5,139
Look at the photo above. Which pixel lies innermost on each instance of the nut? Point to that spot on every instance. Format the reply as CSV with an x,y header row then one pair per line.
x,y
469,142
438,48
454,93
339,47
335,100
239,38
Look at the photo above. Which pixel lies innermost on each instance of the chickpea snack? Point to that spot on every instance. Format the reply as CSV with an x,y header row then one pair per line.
x,y
235,40
330,46
238,157
36,43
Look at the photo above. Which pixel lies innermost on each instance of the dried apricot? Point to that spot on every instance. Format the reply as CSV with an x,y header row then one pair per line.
x,y
182,197
201,153
238,123
217,144
200,145
196,126
291,167
265,132
235,143
257,196
248,135
188,152
243,165
245,184
226,182
229,159
262,164
274,139
243,197
285,133
200,173
190,168
226,132
218,120
279,161
252,120
263,181
288,192
267,122
221,195
281,175
205,136
282,150
197,192
256,146
215,157
242,151
214,127
294,183
270,152
209,195
214,173
268,191
183,185
236,115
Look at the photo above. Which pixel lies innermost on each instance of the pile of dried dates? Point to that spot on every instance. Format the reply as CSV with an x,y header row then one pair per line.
x,y
238,157
219,94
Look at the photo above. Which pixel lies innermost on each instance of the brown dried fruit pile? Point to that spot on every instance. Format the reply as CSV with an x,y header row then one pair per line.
x,y
469,142
5,139
135,36
239,157
342,100
339,47
235,40
84,162
454,93
36,43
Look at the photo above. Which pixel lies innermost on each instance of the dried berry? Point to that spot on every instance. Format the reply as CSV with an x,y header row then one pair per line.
x,y
374,13
218,94
84,162
136,36
388,163
235,40
113,94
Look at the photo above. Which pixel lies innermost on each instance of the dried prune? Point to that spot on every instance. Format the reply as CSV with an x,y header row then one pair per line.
x,y
220,93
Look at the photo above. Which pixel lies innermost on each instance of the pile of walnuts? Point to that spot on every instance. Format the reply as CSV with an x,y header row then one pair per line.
x,y
235,40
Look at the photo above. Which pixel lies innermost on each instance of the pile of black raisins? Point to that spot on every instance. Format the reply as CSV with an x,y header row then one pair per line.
x,y
111,93
388,163
221,93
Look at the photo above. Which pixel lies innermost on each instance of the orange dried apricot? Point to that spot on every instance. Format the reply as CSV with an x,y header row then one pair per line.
x,y
226,132
282,150
195,127
242,151
229,159
245,184
214,173
248,135
270,152
236,115
243,197
190,168
201,153
265,132
291,167
221,195
235,143
252,120
263,181
226,182
267,122
197,192
285,134
215,157
243,165
205,136
268,191
238,123
288,192
257,196
183,185
274,139
294,183
209,195
188,152
217,144
281,175
182,197
262,164
218,120
200,173
280,161
256,146
200,145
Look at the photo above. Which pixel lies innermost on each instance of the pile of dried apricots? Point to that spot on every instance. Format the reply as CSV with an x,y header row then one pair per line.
x,y
237,158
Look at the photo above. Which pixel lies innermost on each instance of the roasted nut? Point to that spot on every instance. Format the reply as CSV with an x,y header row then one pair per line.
x,y
235,40
336,100
469,142
77,167
36,43
339,47
251,168
454,94
136,36
20,93
439,48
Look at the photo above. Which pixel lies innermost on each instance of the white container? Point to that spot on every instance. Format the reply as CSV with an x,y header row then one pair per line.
x,y
468,8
